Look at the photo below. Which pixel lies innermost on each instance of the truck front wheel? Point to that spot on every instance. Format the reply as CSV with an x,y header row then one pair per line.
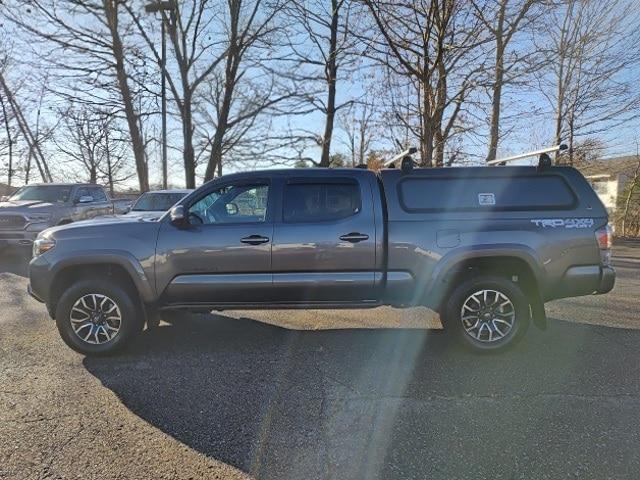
x,y
97,317
487,313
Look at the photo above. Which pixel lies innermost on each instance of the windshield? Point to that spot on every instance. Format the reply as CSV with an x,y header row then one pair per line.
x,y
155,202
43,193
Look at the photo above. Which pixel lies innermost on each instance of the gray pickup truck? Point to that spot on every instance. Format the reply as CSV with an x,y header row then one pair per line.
x,y
486,247
34,208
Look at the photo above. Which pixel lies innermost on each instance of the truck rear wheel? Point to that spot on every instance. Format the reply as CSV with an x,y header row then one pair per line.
x,y
97,317
487,313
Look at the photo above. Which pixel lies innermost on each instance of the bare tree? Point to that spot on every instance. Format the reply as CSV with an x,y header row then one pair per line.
x,y
358,124
196,53
213,47
89,138
323,50
632,186
247,88
82,138
431,51
592,84
503,20
82,43
27,133
10,141
114,168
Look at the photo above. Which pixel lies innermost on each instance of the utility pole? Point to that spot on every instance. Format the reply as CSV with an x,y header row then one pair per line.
x,y
153,7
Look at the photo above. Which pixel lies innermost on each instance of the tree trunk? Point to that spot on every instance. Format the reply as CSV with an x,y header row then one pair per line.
x,y
558,132
34,148
10,140
111,11
571,139
93,173
627,202
331,76
215,158
441,100
109,165
363,141
494,134
426,139
187,134
438,151
234,54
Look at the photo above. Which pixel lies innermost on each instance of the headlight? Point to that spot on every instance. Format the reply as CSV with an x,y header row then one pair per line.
x,y
42,245
38,217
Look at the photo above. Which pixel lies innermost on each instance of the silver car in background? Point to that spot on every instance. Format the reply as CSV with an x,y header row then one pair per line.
x,y
152,205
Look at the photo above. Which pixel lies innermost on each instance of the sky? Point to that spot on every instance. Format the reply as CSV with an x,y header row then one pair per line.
x,y
528,118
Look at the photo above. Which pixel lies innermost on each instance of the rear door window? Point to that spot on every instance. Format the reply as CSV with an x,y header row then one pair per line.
x,y
318,201
490,193
98,194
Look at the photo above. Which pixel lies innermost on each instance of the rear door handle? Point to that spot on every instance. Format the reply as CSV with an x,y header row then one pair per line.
x,y
254,239
354,237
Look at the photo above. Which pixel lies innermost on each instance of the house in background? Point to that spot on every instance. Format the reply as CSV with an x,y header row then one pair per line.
x,y
608,186
610,178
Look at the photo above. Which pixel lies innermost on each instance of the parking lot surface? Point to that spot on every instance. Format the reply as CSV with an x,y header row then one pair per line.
x,y
348,395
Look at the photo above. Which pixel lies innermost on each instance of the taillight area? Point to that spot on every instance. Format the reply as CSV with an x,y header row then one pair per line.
x,y
604,236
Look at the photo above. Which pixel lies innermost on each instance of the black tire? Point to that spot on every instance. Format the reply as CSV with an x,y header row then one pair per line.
x,y
130,324
485,341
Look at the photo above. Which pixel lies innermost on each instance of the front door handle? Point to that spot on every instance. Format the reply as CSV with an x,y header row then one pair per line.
x,y
354,237
254,239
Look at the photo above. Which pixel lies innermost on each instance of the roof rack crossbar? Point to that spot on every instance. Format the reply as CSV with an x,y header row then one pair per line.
x,y
409,151
535,153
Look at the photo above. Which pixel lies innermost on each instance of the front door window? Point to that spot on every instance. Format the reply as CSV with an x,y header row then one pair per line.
x,y
231,204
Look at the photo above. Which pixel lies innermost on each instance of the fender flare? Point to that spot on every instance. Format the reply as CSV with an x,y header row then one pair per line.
x,y
114,257
451,260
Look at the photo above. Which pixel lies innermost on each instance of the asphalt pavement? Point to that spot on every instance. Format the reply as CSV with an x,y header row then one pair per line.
x,y
246,395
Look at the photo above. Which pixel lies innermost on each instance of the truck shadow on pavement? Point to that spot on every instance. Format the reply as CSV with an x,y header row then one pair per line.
x,y
343,404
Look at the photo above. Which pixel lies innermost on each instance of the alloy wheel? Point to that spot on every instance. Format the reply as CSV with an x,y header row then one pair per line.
x,y
488,315
95,318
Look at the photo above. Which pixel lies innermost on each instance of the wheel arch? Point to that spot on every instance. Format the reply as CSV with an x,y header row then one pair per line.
x,y
518,263
124,271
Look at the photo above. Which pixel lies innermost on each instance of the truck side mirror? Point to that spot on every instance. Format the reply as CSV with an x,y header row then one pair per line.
x,y
178,216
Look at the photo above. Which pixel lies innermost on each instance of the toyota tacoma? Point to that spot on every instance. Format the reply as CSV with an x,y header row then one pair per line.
x,y
485,247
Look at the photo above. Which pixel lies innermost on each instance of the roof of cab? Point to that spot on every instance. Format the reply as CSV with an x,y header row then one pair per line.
x,y
299,172
63,184
172,190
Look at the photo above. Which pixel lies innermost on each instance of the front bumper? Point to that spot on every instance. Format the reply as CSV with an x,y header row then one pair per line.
x,y
17,237
33,294
39,279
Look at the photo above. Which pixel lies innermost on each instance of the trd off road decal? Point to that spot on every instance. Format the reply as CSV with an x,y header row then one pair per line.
x,y
563,222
